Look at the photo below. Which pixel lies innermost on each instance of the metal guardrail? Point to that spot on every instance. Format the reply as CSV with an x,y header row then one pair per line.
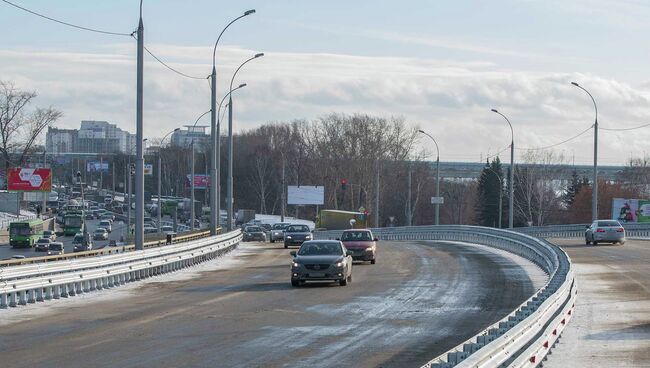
x,y
636,230
526,335
104,251
25,284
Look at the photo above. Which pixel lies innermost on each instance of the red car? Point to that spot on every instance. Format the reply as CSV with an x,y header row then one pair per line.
x,y
361,243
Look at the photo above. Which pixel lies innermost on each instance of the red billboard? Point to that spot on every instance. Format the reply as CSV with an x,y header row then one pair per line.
x,y
24,179
200,181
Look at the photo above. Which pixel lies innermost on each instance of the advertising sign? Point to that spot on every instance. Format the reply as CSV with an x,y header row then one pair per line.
x,y
97,166
201,181
644,211
148,169
305,195
23,179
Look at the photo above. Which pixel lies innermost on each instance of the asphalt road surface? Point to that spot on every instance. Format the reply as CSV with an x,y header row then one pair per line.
x,y
611,324
418,301
119,230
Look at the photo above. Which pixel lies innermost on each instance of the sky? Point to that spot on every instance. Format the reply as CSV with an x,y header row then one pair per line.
x,y
441,65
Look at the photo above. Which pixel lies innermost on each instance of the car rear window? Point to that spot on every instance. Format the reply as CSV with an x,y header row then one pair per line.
x,y
608,223
320,249
253,229
55,246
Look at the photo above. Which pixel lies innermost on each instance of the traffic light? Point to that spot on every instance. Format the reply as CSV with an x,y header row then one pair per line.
x,y
343,184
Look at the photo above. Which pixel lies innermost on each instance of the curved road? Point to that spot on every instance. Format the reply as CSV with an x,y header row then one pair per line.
x,y
418,301
611,323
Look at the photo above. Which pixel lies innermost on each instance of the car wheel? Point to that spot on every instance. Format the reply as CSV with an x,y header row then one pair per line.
x,y
587,241
343,282
286,246
295,283
595,243
272,241
373,261
621,242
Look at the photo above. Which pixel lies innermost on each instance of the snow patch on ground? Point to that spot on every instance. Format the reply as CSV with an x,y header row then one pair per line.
x,y
30,311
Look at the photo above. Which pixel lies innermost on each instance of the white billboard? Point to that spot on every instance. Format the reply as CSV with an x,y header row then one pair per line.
x,y
306,194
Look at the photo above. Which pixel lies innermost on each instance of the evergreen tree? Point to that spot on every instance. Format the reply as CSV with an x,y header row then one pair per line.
x,y
489,185
573,188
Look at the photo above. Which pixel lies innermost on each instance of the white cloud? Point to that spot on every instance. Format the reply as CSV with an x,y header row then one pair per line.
x,y
450,99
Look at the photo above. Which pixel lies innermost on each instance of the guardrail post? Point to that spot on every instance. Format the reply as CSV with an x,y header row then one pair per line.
x,y
12,300
3,300
31,297
22,297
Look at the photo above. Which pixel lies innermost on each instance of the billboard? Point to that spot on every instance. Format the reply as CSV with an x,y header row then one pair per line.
x,y
148,169
201,181
305,195
24,179
631,210
97,166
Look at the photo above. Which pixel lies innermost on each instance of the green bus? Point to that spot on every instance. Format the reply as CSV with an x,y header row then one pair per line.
x,y
73,222
25,233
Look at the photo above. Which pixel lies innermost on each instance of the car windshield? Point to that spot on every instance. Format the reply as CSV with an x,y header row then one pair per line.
x,y
47,232
279,226
252,229
608,223
104,223
100,230
55,246
78,239
320,249
44,241
356,236
20,230
298,229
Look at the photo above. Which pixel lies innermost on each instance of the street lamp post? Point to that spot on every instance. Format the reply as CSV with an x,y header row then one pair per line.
x,y
214,138
437,174
83,211
160,177
139,159
511,199
594,191
192,210
230,189
500,192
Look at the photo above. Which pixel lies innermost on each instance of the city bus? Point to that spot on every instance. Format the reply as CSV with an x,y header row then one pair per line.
x,y
73,222
25,233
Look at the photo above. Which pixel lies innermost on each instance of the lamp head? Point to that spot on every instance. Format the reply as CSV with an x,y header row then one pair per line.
x,y
495,110
177,129
259,55
575,84
421,131
242,85
249,12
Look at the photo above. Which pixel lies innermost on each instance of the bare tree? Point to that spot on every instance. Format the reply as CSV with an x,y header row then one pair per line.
x,y
20,129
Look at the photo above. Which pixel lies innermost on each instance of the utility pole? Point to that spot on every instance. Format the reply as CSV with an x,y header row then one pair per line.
x,y
139,160
229,194
377,197
282,205
409,219
215,157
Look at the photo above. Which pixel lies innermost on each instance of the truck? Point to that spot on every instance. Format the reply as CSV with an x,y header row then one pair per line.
x,y
340,220
244,216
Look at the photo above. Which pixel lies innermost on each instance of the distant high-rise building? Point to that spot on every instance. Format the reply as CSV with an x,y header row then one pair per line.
x,y
183,138
92,137
60,140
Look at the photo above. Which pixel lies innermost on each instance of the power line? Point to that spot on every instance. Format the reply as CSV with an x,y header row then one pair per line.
x,y
65,23
169,67
556,144
624,129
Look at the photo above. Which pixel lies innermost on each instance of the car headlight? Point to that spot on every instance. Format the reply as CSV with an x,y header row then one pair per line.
x,y
370,249
307,236
340,264
295,264
288,236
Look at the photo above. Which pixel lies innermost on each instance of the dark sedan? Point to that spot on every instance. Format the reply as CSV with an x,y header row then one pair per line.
x,y
296,235
321,260
252,233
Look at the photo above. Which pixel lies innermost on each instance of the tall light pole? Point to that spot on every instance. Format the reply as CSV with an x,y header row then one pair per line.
x,y
139,160
511,199
229,189
192,210
214,137
594,191
500,192
437,174
160,176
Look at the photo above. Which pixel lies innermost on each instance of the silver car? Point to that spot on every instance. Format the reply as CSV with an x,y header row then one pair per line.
x,y
321,260
610,231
